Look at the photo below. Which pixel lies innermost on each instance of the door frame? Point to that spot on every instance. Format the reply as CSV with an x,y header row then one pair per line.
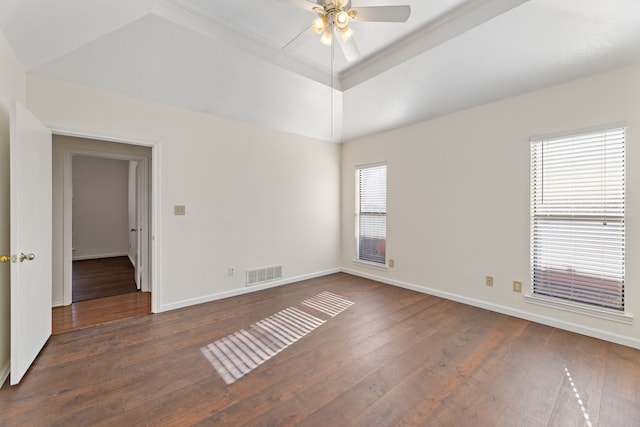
x,y
150,239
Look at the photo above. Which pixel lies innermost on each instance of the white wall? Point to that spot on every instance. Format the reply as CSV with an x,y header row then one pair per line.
x,y
458,196
12,86
254,197
458,192
100,207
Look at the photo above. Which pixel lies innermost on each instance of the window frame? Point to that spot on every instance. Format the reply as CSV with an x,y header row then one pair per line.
x,y
362,261
574,304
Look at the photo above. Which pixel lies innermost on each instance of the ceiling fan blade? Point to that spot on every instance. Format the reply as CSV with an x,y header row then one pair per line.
x,y
383,13
299,39
301,4
349,48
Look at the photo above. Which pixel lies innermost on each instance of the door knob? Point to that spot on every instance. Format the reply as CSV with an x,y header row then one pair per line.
x,y
5,258
28,257
133,229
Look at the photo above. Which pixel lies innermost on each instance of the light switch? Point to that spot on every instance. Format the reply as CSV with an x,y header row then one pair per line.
x,y
179,210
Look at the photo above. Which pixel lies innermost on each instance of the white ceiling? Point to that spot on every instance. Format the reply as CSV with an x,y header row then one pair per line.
x,y
225,57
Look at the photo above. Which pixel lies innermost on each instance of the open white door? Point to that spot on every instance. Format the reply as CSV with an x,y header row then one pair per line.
x,y
138,236
142,209
134,222
30,163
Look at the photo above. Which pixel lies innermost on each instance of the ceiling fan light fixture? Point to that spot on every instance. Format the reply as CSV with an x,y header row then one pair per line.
x,y
342,19
320,24
346,33
327,36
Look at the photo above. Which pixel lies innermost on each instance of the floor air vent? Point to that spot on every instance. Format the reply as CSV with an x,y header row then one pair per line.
x,y
265,274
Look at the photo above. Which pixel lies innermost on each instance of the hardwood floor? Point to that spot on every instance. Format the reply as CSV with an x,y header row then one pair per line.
x,y
394,358
84,314
104,277
104,291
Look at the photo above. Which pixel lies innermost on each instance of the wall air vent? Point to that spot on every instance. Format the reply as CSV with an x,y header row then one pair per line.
x,y
264,274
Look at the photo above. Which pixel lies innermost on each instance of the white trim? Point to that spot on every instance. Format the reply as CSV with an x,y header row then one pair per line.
x,y
573,307
372,265
568,326
101,137
245,290
590,129
371,165
4,372
153,239
98,256
67,241
155,279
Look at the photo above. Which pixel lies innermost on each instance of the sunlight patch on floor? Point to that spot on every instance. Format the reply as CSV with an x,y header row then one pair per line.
x,y
239,353
580,402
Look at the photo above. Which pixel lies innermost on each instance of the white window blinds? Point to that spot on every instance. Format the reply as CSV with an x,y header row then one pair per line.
x,y
371,213
577,217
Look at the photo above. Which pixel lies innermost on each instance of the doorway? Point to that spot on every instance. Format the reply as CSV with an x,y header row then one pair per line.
x,y
104,215
104,193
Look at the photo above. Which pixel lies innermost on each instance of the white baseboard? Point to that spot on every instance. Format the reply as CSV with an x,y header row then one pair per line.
x,y
568,326
58,303
98,256
4,372
246,290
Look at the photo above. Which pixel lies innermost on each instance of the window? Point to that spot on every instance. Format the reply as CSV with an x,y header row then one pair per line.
x,y
577,217
371,213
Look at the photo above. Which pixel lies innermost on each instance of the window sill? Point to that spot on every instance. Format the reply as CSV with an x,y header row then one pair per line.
x,y
573,307
372,265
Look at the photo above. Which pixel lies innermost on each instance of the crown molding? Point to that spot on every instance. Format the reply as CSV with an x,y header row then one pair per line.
x,y
458,21
183,13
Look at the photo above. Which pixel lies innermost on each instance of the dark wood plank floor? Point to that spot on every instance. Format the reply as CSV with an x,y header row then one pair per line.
x,y
396,357
104,277
104,291
84,314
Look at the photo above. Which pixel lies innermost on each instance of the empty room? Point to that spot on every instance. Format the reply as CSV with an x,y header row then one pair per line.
x,y
331,213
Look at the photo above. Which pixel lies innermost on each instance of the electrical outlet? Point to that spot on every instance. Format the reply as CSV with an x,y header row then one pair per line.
x,y
232,271
488,281
179,210
517,286
391,263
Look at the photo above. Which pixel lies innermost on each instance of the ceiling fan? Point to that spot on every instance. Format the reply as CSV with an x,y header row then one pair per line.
x,y
333,18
